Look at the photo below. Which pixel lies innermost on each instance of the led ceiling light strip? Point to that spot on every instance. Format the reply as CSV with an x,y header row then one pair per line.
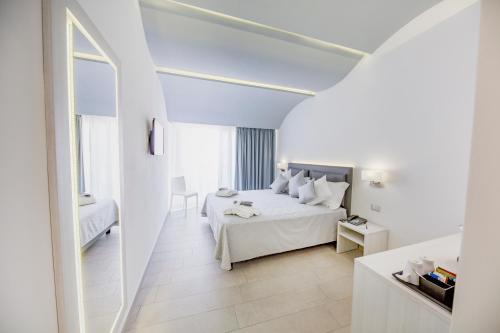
x,y
251,26
204,76
90,56
225,79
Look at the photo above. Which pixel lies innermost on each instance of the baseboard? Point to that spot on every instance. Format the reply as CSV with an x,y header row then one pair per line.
x,y
129,306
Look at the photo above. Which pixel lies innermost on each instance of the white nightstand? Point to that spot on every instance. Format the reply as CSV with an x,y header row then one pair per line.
x,y
372,237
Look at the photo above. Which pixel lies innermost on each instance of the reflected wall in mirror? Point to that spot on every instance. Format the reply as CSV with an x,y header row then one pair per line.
x,y
97,180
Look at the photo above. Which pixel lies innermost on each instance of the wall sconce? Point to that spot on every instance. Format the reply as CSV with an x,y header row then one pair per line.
x,y
282,166
375,177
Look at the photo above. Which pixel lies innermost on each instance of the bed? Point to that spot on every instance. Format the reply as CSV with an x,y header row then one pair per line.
x,y
95,220
283,225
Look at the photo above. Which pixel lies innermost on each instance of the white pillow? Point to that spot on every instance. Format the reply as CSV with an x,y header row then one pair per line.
x,y
294,184
337,190
322,191
306,193
279,185
287,174
85,199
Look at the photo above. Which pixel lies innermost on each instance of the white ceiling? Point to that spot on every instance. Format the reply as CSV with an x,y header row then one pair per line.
x,y
82,44
181,40
187,43
358,24
94,88
208,102
95,91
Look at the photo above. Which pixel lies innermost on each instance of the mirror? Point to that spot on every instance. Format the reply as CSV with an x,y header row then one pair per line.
x,y
96,168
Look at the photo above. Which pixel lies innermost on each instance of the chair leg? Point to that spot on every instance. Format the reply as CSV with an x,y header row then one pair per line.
x,y
196,202
185,206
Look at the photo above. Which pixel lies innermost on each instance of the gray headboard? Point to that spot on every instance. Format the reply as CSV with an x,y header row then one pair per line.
x,y
333,174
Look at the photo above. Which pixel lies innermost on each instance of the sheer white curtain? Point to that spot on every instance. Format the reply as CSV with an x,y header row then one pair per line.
x,y
204,155
99,143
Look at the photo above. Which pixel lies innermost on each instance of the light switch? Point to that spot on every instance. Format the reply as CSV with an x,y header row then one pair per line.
x,y
375,208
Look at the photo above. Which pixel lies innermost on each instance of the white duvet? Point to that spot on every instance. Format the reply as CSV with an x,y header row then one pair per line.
x,y
283,225
96,218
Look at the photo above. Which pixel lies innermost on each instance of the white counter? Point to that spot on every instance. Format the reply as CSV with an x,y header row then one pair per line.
x,y
381,304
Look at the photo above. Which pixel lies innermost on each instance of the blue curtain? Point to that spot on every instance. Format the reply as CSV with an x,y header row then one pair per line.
x,y
254,158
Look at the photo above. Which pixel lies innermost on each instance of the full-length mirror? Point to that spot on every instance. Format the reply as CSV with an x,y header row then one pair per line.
x,y
96,161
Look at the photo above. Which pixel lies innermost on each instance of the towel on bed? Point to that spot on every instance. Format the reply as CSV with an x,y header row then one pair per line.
x,y
242,211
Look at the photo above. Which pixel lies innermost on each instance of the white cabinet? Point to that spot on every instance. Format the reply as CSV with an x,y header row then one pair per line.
x,y
372,237
383,305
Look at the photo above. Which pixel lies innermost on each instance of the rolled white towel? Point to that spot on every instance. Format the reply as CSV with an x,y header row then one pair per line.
x,y
226,193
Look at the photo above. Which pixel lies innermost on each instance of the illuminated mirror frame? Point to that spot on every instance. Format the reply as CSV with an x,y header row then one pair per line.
x,y
71,24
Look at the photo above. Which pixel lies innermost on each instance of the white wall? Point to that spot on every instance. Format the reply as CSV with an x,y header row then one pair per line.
x,y
406,109
476,299
27,301
117,27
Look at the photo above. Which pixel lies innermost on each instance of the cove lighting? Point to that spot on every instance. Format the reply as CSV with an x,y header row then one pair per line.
x,y
89,56
225,79
252,26
205,76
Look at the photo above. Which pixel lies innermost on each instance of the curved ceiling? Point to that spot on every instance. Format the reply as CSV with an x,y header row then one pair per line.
x,y
358,24
208,102
305,44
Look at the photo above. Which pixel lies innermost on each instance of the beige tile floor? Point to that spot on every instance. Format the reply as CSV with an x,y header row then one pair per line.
x,y
101,281
184,290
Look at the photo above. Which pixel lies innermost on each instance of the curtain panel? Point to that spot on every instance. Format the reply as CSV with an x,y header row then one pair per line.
x,y
204,155
99,148
255,161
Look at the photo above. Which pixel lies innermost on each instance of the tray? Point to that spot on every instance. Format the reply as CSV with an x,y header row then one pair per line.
x,y
417,290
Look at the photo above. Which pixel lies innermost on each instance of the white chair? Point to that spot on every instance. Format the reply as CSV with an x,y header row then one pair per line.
x,y
179,189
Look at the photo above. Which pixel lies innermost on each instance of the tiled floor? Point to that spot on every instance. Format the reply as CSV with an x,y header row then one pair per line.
x,y
184,290
102,282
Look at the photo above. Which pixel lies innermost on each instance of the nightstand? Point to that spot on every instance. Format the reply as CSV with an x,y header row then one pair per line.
x,y
372,237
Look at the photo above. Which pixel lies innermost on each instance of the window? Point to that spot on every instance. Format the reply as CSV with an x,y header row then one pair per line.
x,y
204,155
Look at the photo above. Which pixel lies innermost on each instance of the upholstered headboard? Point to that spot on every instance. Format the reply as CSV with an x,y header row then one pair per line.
x,y
333,174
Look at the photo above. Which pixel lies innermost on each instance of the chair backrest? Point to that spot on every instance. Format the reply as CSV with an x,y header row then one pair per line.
x,y
178,184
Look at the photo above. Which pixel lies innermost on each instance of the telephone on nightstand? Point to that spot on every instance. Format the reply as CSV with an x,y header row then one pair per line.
x,y
355,220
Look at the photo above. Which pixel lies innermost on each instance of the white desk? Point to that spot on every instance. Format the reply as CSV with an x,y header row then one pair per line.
x,y
383,305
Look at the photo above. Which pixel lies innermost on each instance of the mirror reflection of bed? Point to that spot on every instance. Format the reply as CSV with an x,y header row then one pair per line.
x,y
97,158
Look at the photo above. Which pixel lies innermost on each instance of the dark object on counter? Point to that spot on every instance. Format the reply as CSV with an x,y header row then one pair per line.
x,y
444,294
354,220
436,289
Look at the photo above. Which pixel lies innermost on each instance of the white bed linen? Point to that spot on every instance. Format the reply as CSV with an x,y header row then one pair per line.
x,y
96,218
284,225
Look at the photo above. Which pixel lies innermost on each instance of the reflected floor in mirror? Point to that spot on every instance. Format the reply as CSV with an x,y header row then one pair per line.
x,y
102,282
